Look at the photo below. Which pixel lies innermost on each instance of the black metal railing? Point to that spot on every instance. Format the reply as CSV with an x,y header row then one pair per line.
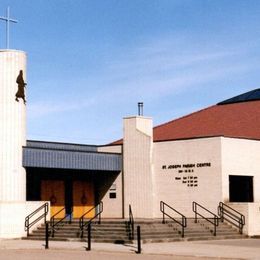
x,y
182,223
131,224
232,216
29,221
213,219
84,221
56,222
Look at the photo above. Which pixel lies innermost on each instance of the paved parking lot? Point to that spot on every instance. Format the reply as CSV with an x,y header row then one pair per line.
x,y
218,249
79,255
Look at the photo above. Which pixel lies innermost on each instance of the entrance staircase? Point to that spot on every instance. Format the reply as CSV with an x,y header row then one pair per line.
x,y
155,231
110,231
117,231
205,226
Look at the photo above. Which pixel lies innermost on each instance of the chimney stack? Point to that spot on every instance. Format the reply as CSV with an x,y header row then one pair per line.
x,y
140,108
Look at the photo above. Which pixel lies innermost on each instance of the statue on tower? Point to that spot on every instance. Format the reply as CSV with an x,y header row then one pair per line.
x,y
21,86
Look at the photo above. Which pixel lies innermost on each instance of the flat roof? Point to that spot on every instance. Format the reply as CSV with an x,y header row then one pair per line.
x,y
55,155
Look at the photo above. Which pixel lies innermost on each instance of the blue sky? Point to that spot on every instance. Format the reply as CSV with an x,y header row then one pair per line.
x,y
90,62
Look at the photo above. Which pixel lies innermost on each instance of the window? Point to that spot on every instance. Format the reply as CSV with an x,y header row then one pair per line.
x,y
241,188
112,195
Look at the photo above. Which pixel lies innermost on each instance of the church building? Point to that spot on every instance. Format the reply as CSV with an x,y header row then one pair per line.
x,y
210,156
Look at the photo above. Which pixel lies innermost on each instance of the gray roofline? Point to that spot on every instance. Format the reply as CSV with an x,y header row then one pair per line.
x,y
67,159
62,143
69,150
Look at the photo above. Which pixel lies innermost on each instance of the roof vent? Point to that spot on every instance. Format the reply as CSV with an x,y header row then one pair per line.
x,y
140,108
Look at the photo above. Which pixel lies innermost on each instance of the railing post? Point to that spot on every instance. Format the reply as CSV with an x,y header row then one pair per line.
x,y
138,240
161,209
89,237
184,224
215,226
82,230
45,213
182,232
99,216
46,235
27,223
221,211
52,227
195,210
240,226
163,213
81,227
133,231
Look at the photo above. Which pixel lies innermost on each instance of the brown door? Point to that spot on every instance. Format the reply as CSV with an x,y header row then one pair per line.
x,y
83,199
53,191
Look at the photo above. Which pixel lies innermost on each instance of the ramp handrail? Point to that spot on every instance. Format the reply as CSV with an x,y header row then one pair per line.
x,y
60,221
28,224
131,223
98,210
231,215
183,222
213,220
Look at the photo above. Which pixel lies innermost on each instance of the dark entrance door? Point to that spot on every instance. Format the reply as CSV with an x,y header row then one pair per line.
x,y
240,188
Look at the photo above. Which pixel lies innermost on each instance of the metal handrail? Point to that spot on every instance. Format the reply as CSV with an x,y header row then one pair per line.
x,y
28,224
214,216
183,222
231,215
98,210
54,225
131,224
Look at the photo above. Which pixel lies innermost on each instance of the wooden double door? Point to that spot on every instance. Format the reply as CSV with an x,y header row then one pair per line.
x,y
68,197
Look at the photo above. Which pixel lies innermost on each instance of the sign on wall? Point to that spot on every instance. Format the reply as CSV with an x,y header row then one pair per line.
x,y
187,172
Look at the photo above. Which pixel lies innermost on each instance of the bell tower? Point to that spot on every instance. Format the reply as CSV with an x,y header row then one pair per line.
x,y
12,140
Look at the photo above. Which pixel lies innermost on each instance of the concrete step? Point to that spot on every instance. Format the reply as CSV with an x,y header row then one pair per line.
x,y
94,228
218,237
116,231
117,240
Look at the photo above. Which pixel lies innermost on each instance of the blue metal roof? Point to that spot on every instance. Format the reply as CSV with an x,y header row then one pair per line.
x,y
78,158
248,96
61,146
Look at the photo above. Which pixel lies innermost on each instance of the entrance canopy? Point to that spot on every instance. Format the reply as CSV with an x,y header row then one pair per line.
x,y
69,156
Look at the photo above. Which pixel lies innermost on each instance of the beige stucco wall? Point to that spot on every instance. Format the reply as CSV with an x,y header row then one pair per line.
x,y
201,159
251,211
137,161
112,207
240,157
13,217
110,149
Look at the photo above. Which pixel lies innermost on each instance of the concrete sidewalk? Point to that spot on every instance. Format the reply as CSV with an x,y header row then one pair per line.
x,y
215,249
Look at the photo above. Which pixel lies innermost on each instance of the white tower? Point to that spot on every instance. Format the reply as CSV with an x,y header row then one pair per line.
x,y
138,159
12,139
